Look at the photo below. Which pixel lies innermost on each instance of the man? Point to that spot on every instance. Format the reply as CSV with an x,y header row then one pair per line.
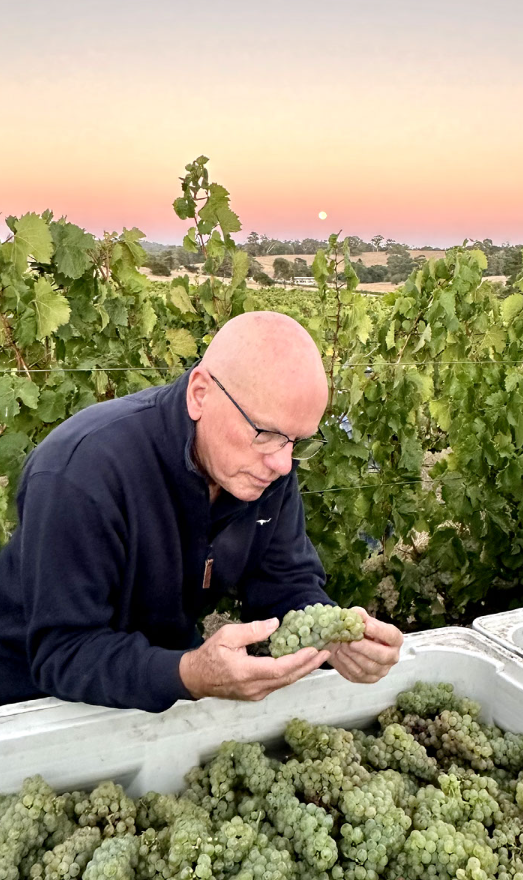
x,y
137,513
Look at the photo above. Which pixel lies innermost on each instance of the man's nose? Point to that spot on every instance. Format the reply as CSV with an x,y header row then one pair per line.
x,y
280,461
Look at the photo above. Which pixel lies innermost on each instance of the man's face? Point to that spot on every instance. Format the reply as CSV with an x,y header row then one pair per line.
x,y
224,438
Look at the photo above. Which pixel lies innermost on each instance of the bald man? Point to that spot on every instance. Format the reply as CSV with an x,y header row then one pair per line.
x,y
138,514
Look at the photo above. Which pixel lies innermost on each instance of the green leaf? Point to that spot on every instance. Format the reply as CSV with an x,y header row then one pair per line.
x,y
240,267
146,318
182,209
133,252
51,406
8,404
104,317
182,342
390,337
426,336
51,308
511,306
447,300
216,210
441,411
480,258
495,338
32,238
13,445
26,391
117,311
178,296
72,245
189,241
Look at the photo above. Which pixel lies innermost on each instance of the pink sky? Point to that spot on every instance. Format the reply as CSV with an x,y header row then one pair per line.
x,y
401,119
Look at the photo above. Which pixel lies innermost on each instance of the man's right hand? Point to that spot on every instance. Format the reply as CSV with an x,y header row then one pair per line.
x,y
222,668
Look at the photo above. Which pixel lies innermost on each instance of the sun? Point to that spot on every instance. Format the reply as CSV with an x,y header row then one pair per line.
x,y
322,215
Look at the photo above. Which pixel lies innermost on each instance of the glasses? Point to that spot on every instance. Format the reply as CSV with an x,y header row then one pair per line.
x,y
272,441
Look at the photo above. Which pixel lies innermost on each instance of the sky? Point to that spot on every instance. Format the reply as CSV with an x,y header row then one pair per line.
x,y
396,117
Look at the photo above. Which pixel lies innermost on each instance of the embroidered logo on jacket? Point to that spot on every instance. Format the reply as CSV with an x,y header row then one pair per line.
x,y
263,521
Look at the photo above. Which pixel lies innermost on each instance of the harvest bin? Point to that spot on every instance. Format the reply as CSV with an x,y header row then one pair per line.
x,y
505,628
74,745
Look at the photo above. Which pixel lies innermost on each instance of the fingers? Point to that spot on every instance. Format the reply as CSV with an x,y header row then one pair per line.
x,y
381,654
379,631
280,672
365,661
360,672
238,635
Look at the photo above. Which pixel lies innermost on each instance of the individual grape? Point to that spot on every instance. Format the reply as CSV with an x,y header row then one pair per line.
x,y
317,626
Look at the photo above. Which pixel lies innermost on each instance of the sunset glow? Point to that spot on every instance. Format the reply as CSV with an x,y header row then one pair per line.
x,y
401,118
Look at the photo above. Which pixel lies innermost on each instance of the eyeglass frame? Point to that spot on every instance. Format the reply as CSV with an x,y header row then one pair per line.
x,y
259,431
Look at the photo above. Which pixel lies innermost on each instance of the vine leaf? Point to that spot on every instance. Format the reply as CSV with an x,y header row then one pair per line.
x,y
32,238
511,306
182,342
72,249
52,309
180,299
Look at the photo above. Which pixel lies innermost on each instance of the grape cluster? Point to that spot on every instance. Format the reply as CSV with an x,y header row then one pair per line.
x,y
428,700
316,626
398,749
110,808
67,860
375,828
320,781
307,825
116,858
266,861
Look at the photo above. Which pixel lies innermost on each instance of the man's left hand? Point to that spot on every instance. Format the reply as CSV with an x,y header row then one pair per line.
x,y
368,660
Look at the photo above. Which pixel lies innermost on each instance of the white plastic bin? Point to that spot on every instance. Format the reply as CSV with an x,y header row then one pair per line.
x,y
76,745
505,628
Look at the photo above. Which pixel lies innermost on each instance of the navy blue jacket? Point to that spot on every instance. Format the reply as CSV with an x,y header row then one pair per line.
x,y
101,584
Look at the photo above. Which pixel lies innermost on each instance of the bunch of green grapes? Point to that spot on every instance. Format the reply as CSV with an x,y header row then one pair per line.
x,y
398,749
316,626
264,860
318,741
430,699
110,808
306,825
67,860
116,858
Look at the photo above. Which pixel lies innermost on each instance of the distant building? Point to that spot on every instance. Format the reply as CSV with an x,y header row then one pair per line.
x,y
305,279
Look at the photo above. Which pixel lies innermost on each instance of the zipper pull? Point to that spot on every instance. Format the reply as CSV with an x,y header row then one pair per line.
x,y
207,573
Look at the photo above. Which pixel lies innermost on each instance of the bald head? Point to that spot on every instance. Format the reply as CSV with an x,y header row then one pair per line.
x,y
271,368
269,354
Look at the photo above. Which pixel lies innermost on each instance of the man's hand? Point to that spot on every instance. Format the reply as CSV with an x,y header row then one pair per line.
x,y
371,658
222,668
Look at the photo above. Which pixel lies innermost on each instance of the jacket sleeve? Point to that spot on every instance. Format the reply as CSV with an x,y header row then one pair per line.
x,y
72,563
290,575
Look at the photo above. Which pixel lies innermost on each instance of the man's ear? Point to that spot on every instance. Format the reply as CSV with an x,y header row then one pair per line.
x,y
198,386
